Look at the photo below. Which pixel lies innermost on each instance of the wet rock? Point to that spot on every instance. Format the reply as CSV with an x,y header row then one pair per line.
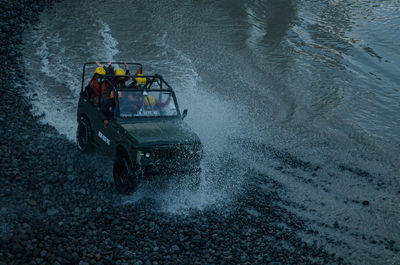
x,y
128,255
92,226
175,249
365,203
196,238
336,225
17,248
46,190
253,212
31,202
52,212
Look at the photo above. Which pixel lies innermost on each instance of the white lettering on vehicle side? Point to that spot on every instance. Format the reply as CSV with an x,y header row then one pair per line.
x,y
104,138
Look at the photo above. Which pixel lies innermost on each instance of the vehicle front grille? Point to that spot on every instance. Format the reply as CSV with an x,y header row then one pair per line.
x,y
168,153
175,153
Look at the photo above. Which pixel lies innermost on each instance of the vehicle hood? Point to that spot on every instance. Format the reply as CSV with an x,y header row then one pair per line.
x,y
161,132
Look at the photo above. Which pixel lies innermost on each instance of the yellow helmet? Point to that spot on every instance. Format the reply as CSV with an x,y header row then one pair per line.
x,y
141,80
152,100
100,70
119,71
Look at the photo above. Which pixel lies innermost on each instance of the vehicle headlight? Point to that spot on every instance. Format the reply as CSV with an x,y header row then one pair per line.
x,y
147,154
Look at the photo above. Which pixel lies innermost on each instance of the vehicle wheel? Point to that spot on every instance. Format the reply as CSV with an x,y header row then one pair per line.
x,y
126,177
84,135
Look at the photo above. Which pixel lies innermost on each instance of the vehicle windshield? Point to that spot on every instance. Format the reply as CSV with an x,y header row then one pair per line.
x,y
139,103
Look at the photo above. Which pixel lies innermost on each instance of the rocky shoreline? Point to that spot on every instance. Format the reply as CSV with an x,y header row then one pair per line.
x,y
58,208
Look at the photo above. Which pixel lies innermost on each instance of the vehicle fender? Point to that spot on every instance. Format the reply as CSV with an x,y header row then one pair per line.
x,y
126,148
121,151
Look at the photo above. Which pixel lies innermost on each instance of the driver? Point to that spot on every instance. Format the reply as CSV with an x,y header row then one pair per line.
x,y
132,102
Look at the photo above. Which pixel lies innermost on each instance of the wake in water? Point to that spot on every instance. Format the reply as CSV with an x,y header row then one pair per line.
x,y
56,75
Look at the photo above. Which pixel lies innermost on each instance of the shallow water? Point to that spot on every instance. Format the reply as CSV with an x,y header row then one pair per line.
x,y
269,85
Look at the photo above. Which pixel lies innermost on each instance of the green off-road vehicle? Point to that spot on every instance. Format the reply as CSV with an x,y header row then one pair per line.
x,y
145,134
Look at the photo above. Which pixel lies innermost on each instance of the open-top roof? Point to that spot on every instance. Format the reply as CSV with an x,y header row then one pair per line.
x,y
153,81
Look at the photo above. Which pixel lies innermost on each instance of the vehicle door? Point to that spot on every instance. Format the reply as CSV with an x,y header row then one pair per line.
x,y
107,137
104,134
92,112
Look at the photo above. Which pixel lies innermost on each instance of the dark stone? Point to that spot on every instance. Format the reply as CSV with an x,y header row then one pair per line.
x,y
365,203
175,249
17,248
336,225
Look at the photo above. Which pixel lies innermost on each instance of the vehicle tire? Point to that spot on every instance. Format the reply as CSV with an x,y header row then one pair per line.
x,y
126,176
84,135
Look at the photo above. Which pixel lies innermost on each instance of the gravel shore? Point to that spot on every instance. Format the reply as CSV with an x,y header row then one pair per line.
x,y
57,206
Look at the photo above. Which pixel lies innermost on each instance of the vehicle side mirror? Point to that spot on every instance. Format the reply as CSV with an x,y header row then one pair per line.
x,y
184,113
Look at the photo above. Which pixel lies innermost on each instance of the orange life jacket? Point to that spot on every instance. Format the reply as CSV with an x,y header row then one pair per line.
x,y
95,88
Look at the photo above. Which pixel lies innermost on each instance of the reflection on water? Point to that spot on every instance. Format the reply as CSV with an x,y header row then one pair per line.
x,y
269,21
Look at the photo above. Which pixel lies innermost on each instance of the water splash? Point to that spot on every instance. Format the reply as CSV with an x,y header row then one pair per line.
x,y
216,122
108,49
55,74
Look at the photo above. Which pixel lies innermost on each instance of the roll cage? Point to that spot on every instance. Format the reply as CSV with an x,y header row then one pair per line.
x,y
108,78
89,64
151,80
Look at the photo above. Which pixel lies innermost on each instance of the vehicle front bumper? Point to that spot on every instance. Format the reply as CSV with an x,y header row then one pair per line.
x,y
169,160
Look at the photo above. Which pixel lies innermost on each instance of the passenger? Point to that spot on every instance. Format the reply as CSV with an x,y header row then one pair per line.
x,y
97,85
144,102
139,82
149,102
135,83
109,68
119,82
99,93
